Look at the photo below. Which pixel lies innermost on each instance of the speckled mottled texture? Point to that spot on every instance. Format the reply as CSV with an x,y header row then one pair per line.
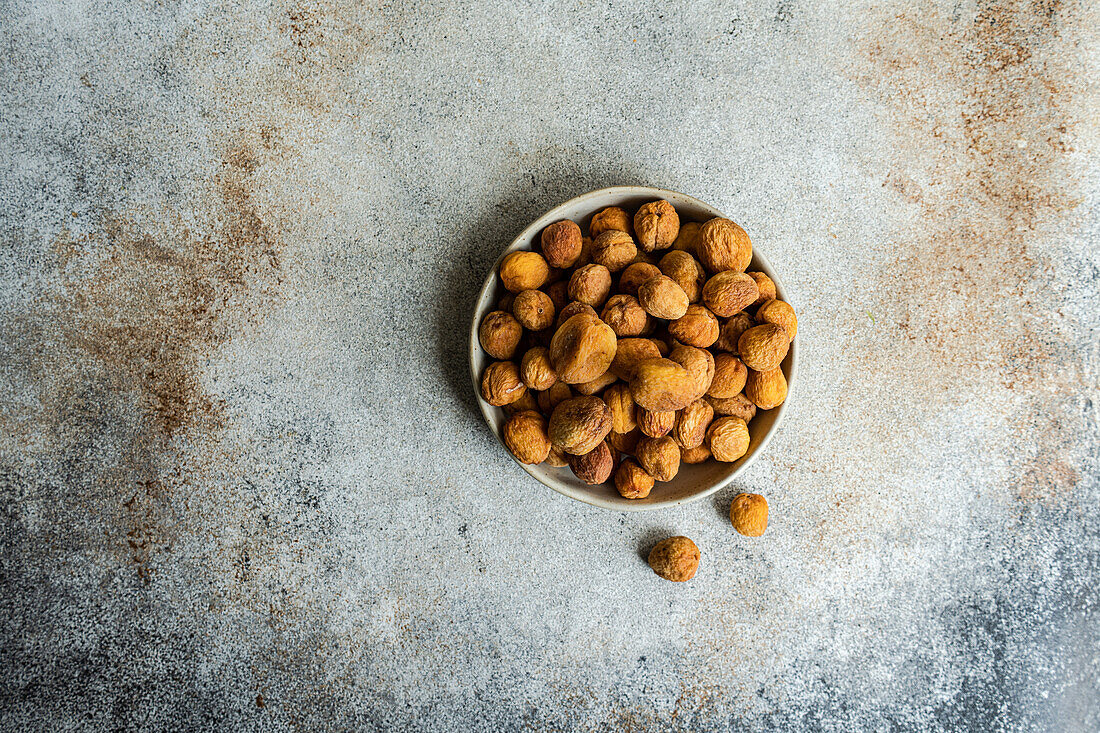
x,y
243,479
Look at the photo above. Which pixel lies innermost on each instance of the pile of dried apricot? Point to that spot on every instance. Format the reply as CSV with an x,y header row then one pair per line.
x,y
636,348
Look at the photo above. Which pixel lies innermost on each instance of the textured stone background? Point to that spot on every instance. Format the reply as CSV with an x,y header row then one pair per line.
x,y
243,478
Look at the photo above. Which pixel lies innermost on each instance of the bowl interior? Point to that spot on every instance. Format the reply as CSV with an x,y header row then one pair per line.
x,y
692,482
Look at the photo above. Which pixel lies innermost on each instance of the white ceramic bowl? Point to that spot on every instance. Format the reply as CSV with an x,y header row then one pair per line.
x,y
692,482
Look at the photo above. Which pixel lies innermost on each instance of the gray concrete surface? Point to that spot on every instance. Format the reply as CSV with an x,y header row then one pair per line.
x,y
244,482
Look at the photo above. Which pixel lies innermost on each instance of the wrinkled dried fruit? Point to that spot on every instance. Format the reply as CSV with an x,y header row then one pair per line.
x,y
626,316
614,250
523,404
663,385
723,245
561,243
586,252
763,347
582,349
691,424
764,286
574,308
634,275
749,514
699,364
692,456
611,218
698,327
533,309
591,285
525,435
655,424
686,271
766,389
557,457
662,346
663,298
625,442
521,271
559,294
579,424
729,377
729,292
632,481
660,457
656,224
595,466
535,369
737,406
500,334
781,314
675,559
593,386
731,332
621,404
629,353
728,439
552,397
687,238
501,385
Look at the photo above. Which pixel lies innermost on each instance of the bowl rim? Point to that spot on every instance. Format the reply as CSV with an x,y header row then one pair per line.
x,y
554,214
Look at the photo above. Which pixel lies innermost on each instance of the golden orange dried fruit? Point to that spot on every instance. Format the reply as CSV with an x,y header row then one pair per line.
x,y
779,313
595,386
687,238
579,424
626,316
692,456
561,243
500,383
728,439
632,481
521,271
764,286
723,245
675,559
550,398
625,442
582,349
699,364
614,250
634,275
737,406
533,309
629,353
730,374
655,424
691,424
660,457
766,389
749,514
731,331
595,466
728,293
499,335
763,347
663,385
697,327
535,369
686,271
656,225
662,297
610,219
525,436
590,285
621,404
